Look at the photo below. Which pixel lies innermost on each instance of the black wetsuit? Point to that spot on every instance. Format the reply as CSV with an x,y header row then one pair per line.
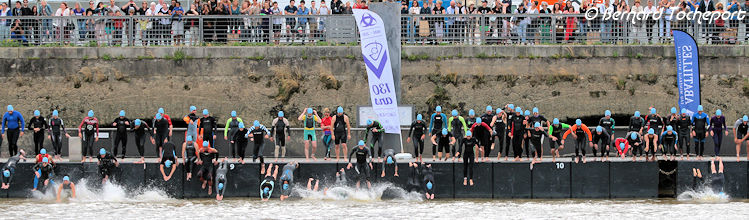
x,y
428,178
221,171
120,136
208,128
414,180
536,141
443,143
56,131
669,143
41,123
45,171
376,137
162,133
717,180
190,156
233,128
508,130
140,136
636,149
241,142
603,140
259,142
457,132
557,131
499,135
206,170
486,118
418,128
653,145
106,165
362,166
518,131
527,138
700,130
10,165
684,128
340,130
636,123
468,156
169,152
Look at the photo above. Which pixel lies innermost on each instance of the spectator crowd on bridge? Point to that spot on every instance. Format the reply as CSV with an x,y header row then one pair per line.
x,y
501,21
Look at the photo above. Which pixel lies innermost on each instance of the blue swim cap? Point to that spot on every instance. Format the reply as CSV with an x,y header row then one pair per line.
x,y
669,128
535,110
361,143
745,118
168,163
6,173
607,113
578,122
137,122
633,136
66,178
55,113
718,112
438,109
444,131
469,133
188,138
454,112
369,121
240,125
102,151
478,120
527,113
683,111
90,113
471,112
37,113
220,186
340,109
309,111
429,185
621,145
651,131
122,113
599,129
158,116
280,113
10,108
700,108
489,108
285,186
43,151
511,106
161,110
45,160
390,160
233,113
556,121
537,125
518,109
652,111
205,111
419,117
673,110
637,113
193,108
205,143
256,123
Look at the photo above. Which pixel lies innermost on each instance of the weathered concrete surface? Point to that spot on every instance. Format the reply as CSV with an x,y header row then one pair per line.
x,y
563,81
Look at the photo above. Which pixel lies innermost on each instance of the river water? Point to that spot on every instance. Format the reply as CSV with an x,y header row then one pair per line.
x,y
346,203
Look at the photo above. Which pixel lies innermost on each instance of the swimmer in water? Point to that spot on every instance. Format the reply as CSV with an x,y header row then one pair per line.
x,y
414,181
10,168
363,163
287,178
221,171
312,188
107,162
266,187
168,160
390,162
717,179
696,178
66,185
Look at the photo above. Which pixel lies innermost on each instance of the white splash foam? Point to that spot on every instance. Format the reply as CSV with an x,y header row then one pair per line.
x,y
109,192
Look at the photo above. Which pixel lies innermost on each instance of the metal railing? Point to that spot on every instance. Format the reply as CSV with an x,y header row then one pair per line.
x,y
416,29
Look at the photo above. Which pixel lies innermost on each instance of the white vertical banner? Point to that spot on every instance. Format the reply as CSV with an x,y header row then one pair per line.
x,y
374,49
